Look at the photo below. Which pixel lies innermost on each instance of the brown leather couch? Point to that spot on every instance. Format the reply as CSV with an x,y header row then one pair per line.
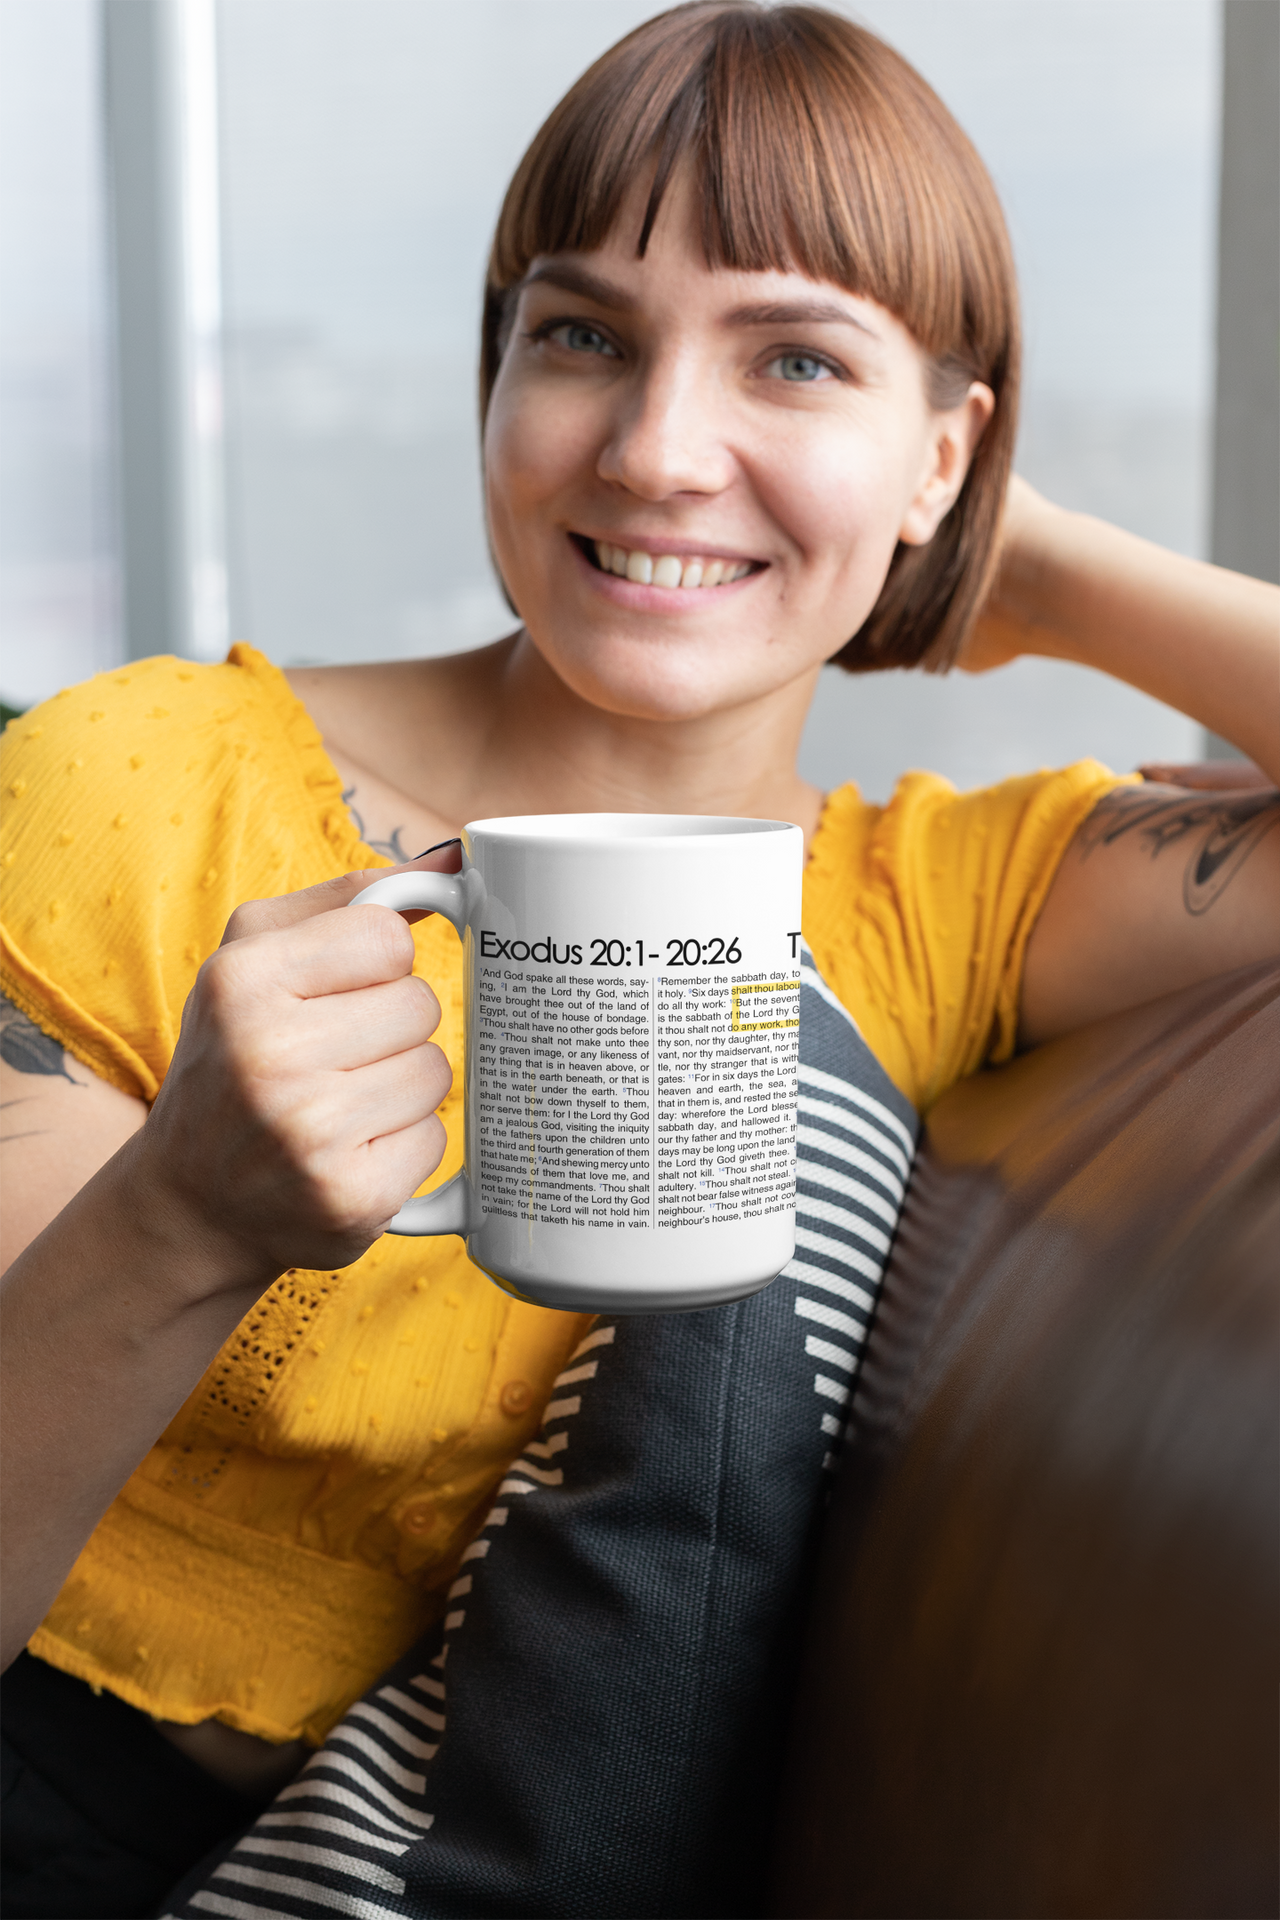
x,y
1040,1676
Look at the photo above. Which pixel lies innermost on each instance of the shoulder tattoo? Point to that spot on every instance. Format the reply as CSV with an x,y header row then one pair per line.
x,y
391,848
28,1050
1218,830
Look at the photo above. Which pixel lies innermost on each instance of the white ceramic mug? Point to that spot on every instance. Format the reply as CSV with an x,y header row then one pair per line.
x,y
632,1015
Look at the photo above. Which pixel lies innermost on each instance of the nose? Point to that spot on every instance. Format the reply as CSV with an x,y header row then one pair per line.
x,y
669,435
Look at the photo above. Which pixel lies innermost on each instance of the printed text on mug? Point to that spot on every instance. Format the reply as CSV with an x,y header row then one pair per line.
x,y
655,1099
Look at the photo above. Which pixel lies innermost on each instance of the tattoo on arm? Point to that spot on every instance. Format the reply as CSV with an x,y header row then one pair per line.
x,y
1223,829
26,1049
391,848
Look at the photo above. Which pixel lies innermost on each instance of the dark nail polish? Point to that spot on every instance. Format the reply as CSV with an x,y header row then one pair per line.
x,y
455,842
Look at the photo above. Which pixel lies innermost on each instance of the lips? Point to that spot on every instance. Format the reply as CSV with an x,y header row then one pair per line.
x,y
664,569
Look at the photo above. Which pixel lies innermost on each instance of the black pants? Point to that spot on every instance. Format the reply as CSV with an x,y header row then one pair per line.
x,y
101,1815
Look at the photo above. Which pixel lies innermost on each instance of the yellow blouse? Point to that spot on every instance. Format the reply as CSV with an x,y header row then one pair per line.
x,y
299,1522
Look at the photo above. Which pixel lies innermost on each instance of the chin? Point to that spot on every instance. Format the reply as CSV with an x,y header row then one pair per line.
x,y
659,680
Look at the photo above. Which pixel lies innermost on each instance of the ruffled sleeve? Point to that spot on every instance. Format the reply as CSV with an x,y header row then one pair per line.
x,y
919,913
141,808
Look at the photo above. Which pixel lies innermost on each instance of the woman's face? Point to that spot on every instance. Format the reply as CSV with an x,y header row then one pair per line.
x,y
697,477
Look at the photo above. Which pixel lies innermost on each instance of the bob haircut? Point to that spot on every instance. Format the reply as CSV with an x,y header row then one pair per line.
x,y
813,147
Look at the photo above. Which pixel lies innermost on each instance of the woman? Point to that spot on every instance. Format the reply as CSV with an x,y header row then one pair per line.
x,y
750,368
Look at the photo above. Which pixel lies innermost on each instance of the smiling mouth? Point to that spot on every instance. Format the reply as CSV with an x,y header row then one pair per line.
x,y
662,569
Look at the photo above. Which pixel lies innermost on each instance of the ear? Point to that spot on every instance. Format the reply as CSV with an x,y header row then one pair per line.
x,y
952,443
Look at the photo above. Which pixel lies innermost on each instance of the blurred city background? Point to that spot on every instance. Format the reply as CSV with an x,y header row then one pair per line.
x,y
337,168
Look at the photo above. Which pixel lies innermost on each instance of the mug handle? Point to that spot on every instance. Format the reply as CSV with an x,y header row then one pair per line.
x,y
454,1207
444,893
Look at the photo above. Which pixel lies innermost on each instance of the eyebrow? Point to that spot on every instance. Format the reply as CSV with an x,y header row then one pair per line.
x,y
592,286
791,313
785,313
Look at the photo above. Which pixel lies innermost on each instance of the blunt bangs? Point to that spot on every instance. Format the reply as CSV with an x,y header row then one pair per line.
x,y
813,148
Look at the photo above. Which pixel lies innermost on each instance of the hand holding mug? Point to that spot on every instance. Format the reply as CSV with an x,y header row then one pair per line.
x,y
300,1106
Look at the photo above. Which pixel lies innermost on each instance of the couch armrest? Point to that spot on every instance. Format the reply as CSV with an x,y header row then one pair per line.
x,y
1040,1668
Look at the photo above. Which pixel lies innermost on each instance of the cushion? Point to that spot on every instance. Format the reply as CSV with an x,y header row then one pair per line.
x,y
596,1727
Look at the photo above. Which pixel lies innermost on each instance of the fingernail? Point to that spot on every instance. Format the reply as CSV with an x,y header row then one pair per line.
x,y
455,842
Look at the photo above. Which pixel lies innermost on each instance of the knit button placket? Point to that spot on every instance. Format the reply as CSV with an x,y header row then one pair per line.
x,y
417,1516
516,1398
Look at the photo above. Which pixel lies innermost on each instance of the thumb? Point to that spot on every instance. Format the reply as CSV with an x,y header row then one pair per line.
x,y
289,909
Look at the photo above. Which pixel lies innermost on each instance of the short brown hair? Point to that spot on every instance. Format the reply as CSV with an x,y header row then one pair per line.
x,y
814,148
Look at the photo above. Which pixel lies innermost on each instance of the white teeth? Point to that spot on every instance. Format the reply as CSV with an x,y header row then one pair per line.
x,y
668,570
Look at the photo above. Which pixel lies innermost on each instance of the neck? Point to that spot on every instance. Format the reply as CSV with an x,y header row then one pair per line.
x,y
527,743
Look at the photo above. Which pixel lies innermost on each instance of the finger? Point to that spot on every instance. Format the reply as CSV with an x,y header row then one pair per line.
x,y
343,1031
366,1187
389,1095
332,953
344,1112
399,1163
1208,776
290,909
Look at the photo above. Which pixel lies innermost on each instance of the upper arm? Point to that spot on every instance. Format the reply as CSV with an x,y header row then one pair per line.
x,y
1160,888
58,1124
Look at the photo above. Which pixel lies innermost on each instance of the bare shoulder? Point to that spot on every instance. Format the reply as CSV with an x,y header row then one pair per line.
x,y
58,1124
403,736
1161,887
343,699
381,712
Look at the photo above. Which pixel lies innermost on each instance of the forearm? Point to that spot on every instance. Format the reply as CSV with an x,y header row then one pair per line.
x,y
109,1319
297,1114
1195,636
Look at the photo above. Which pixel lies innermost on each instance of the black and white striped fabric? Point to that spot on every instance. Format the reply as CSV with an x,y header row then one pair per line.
x,y
595,1727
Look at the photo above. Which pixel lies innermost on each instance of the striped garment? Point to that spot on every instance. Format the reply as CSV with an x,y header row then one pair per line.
x,y
616,1660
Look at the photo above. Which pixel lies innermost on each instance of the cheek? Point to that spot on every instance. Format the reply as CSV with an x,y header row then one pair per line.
x,y
511,471
535,446
840,498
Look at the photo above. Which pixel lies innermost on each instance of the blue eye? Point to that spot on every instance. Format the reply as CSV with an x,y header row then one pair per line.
x,y
800,367
581,339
